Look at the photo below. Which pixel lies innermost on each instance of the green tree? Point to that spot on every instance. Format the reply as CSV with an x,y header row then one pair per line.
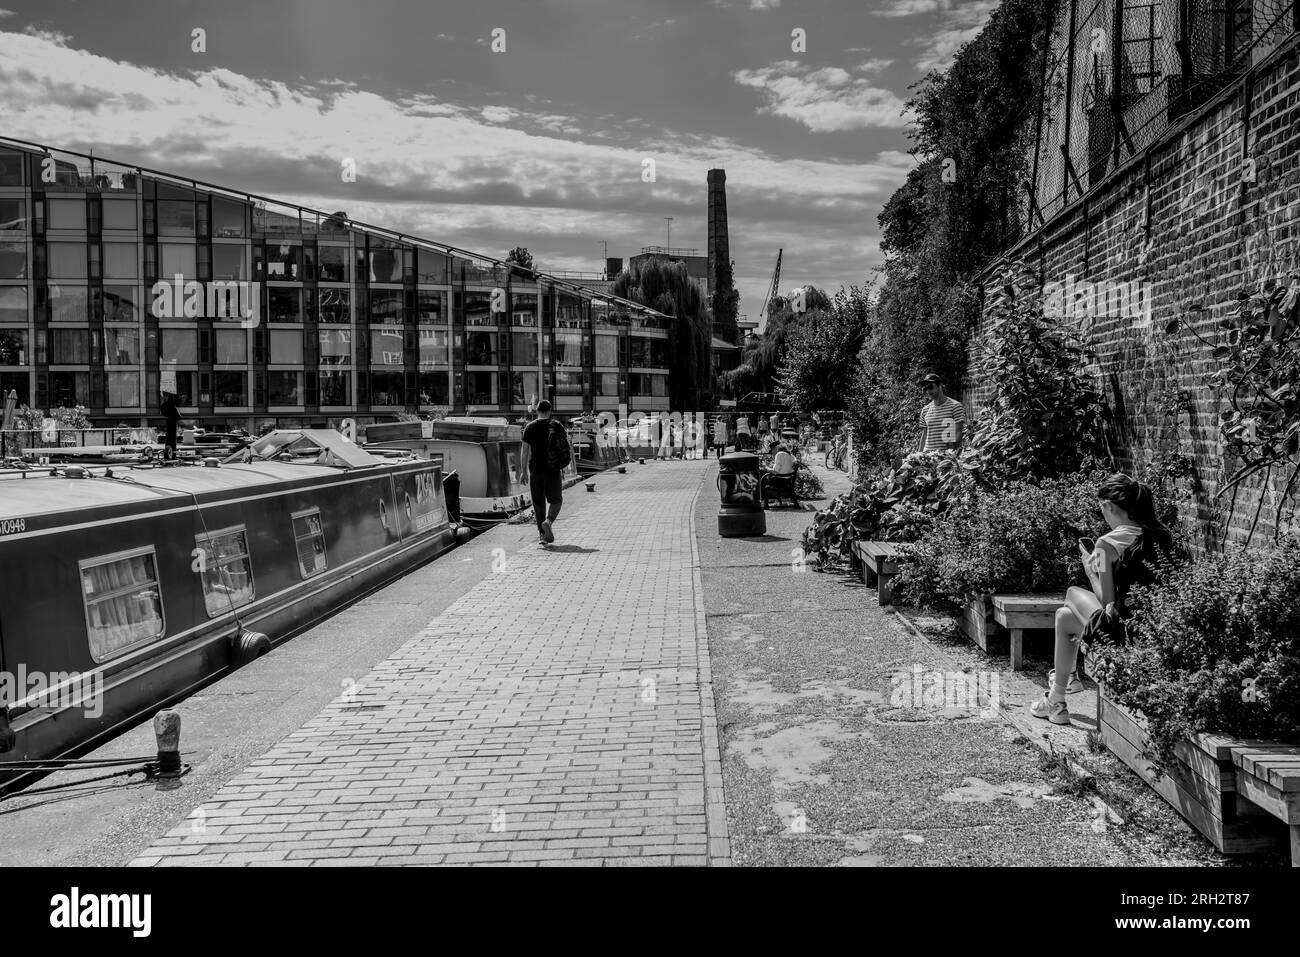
x,y
666,287
821,354
761,356
520,256
725,303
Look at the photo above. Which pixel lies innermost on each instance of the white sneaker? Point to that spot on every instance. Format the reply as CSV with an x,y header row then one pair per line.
x,y
1054,711
1073,686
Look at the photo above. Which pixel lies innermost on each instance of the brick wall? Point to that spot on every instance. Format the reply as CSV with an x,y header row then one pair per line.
x,y
1180,220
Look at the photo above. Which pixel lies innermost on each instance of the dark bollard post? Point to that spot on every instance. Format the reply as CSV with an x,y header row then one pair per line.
x,y
167,729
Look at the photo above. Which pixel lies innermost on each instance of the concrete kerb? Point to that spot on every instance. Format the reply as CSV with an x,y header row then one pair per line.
x,y
714,800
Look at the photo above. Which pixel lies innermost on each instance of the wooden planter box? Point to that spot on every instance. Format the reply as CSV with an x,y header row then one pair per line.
x,y
1201,784
978,624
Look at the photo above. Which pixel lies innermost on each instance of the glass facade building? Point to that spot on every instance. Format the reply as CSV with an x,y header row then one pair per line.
x,y
116,282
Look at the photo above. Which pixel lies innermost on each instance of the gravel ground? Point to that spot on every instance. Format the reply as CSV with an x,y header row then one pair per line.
x,y
830,758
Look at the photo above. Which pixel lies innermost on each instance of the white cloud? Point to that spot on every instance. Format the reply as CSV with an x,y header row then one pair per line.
x,y
7,13
498,114
910,8
824,99
967,20
763,4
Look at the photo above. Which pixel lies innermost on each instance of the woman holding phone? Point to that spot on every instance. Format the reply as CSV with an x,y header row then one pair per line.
x,y
1123,557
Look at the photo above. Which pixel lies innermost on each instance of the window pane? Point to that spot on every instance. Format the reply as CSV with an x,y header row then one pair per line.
x,y
71,346
227,262
285,305
67,260
180,347
523,309
387,388
11,168
13,348
124,390
433,349
227,572
481,348
606,351
335,388
123,604
68,303
482,388
334,305
608,383
119,213
175,218
309,535
176,259
386,347
568,382
230,389
335,347
67,213
227,219
120,261
524,388
13,215
384,265
286,347
524,351
120,304
232,347
284,262
284,388
387,306
435,388
13,260
429,305
69,389
568,349
334,262
121,347
478,309
18,383
13,304
431,268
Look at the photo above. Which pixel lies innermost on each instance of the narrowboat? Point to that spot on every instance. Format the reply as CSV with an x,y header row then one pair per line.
x,y
128,588
485,461
592,450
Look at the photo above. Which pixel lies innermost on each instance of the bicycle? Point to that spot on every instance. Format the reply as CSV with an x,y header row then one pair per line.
x,y
835,458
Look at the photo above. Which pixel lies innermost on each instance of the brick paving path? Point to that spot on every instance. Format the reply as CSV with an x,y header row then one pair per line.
x,y
561,712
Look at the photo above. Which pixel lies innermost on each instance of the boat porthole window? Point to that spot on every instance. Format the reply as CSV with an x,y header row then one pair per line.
x,y
226,571
309,539
122,597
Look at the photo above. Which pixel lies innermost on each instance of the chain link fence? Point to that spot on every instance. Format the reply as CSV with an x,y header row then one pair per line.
x,y
1119,72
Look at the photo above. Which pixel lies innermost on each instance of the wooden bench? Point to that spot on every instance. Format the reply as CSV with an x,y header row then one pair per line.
x,y
1016,613
1268,776
879,566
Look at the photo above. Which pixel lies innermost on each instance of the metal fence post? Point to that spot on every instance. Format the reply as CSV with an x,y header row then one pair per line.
x,y
1069,105
1116,80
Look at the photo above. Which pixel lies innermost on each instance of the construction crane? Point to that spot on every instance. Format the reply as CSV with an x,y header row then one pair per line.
x,y
771,293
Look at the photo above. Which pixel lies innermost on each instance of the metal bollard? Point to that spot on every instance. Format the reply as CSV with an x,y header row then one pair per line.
x,y
167,729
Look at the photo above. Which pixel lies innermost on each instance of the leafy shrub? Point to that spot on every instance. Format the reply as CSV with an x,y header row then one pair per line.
x,y
1019,539
1213,646
808,486
897,506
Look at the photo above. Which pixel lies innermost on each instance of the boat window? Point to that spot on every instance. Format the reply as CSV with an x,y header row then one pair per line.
x,y
309,537
123,601
227,570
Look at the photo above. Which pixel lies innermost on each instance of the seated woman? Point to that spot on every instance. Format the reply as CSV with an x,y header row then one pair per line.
x,y
1124,556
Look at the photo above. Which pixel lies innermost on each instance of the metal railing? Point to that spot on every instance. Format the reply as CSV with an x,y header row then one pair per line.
x,y
1119,73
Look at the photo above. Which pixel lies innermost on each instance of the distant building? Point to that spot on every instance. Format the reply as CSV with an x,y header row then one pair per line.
x,y
697,266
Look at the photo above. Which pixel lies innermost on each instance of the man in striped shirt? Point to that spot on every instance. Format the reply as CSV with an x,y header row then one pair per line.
x,y
943,420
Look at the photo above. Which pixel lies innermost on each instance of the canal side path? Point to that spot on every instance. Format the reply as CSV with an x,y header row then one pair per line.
x,y
644,692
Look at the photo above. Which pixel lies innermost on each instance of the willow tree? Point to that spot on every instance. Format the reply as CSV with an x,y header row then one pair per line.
x,y
666,287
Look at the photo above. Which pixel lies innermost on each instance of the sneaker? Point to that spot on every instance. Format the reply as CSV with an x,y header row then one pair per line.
x,y
1073,686
547,535
1054,711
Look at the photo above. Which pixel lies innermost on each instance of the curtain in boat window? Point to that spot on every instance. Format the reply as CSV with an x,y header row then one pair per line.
x,y
123,603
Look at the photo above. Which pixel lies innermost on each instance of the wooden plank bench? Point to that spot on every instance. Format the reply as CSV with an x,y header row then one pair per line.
x,y
1268,776
879,561
1016,613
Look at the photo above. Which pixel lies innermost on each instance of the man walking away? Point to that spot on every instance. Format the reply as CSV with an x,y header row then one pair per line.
x,y
172,416
547,457
943,420
720,436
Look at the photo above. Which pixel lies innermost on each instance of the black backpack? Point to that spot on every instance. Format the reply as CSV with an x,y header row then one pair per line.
x,y
558,452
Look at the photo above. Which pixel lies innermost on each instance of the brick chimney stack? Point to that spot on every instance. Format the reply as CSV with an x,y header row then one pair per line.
x,y
719,247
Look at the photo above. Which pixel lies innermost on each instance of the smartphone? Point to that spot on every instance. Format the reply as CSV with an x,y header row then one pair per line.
x,y
1088,545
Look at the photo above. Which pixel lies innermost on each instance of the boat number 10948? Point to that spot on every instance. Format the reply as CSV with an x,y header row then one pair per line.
x,y
10,525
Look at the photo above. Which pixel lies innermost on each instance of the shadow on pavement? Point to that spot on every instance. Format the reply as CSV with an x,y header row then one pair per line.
x,y
572,548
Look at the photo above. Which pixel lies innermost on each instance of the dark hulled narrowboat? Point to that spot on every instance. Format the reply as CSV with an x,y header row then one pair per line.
x,y
126,589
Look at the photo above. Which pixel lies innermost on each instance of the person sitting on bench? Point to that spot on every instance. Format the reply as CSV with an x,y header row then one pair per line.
x,y
1125,556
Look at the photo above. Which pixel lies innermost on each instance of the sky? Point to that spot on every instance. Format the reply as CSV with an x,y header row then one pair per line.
x,y
559,125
